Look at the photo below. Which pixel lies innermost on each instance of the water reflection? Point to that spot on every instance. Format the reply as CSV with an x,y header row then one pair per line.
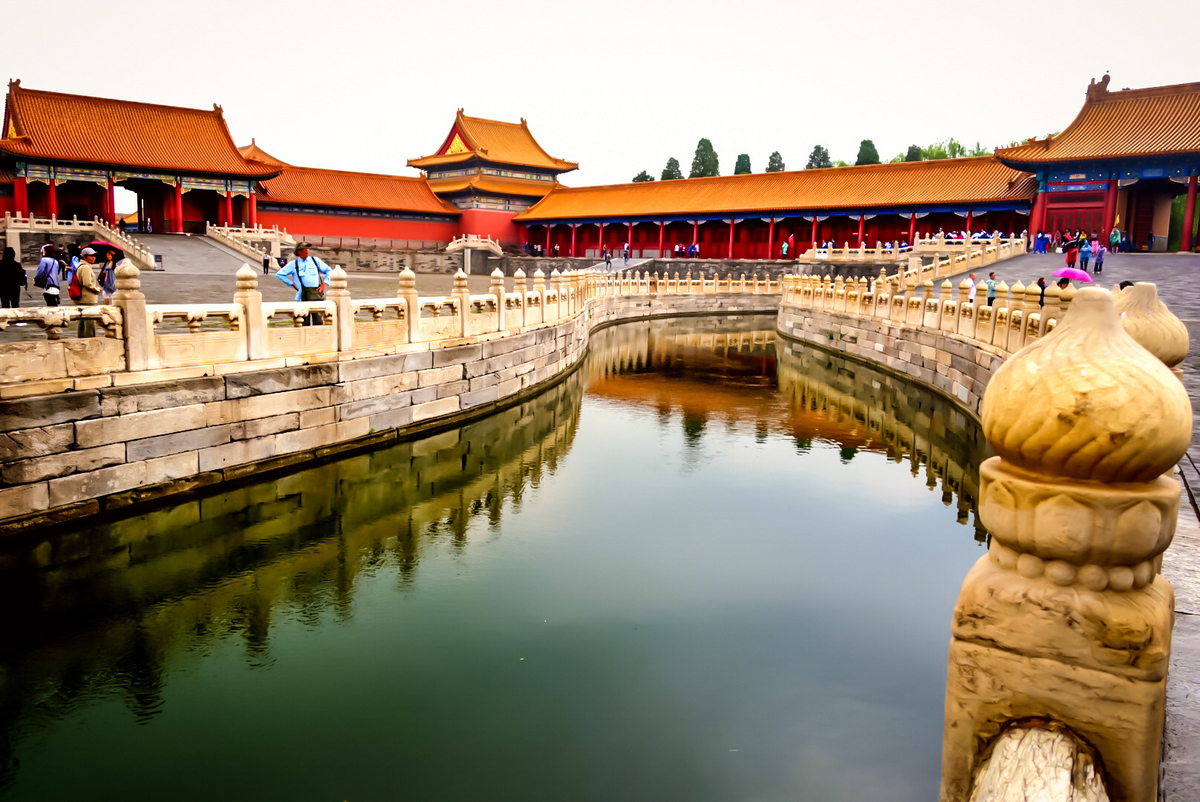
x,y
383,596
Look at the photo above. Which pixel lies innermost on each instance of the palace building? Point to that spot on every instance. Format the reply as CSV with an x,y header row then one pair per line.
x,y
1122,162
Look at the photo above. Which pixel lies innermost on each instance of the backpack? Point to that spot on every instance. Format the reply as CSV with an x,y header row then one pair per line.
x,y
75,288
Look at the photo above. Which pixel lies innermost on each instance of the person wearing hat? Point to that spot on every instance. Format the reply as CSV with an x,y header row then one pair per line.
x,y
89,290
309,276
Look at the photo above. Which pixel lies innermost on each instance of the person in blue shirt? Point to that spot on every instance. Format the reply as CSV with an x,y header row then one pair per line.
x,y
309,276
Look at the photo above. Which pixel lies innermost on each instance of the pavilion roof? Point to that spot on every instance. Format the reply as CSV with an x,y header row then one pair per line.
x,y
492,141
311,186
1130,123
79,129
901,185
254,153
492,184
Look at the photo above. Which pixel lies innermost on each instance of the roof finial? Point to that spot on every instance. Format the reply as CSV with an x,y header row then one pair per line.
x,y
217,108
14,83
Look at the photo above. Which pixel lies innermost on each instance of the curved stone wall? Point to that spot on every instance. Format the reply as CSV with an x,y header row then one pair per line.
x,y
88,452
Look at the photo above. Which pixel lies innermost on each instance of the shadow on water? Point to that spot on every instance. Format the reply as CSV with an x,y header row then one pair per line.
x,y
116,613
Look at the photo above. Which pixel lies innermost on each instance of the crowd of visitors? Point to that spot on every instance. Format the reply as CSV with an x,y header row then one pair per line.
x,y
1061,241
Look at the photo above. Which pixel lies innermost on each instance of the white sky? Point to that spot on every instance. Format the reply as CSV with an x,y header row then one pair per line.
x,y
616,86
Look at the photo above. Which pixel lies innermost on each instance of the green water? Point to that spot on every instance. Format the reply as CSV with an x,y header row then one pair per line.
x,y
695,570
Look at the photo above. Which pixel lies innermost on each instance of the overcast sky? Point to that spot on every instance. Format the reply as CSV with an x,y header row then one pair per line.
x,y
616,86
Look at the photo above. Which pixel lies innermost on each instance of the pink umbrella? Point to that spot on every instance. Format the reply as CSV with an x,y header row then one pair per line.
x,y
1072,273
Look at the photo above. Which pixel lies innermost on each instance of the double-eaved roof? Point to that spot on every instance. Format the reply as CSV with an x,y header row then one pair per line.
x,y
318,187
492,141
899,186
1130,123
76,129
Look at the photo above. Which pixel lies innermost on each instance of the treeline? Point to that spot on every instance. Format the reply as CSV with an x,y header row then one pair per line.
x,y
706,163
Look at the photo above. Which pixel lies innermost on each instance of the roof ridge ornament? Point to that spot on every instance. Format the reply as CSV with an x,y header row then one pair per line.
x,y
1098,91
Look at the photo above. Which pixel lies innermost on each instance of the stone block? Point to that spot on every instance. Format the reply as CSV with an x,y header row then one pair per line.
x,y
95,484
436,376
374,367
424,395
265,406
476,398
453,388
192,440
64,464
121,428
391,419
170,468
160,375
16,501
374,387
317,417
238,452
435,409
261,427
457,355
269,382
29,413
146,397
475,384
36,442
374,406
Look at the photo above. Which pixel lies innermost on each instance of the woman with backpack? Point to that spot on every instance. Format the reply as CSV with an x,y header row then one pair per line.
x,y
108,278
47,276
12,280
84,290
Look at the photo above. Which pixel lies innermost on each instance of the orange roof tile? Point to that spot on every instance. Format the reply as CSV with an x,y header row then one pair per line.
x,y
493,141
1157,121
311,186
91,130
254,153
494,184
980,179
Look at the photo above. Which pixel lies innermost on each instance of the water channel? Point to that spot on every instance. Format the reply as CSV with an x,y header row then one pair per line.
x,y
706,566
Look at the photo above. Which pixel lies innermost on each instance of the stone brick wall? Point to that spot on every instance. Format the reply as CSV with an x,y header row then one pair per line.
x,y
954,366
85,452
371,260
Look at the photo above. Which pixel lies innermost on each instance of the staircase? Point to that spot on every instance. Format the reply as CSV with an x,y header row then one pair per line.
x,y
182,253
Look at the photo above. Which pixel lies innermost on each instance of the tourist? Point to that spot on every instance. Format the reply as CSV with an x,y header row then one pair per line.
x,y
1125,285
12,280
1063,283
1085,255
308,275
108,277
607,259
1150,242
1041,282
121,225
47,276
1100,252
266,264
991,289
1114,240
972,292
1072,253
783,250
89,291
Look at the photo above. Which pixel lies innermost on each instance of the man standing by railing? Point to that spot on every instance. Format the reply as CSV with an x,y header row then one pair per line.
x,y
309,276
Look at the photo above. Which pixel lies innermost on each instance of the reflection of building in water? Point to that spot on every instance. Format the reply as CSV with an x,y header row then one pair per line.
x,y
858,406
99,612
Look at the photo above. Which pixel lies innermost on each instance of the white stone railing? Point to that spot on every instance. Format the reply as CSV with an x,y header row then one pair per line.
x,y
879,254
161,337
135,251
259,234
229,240
474,241
1013,319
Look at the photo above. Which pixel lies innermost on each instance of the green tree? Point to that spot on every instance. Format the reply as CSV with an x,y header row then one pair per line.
x,y
642,176
913,154
705,162
934,152
899,157
840,163
742,166
775,163
978,150
867,154
818,158
672,170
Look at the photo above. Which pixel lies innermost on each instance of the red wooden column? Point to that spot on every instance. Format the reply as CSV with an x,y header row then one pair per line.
x,y
731,227
631,238
1110,210
912,229
548,227
970,220
21,196
771,240
178,206
52,197
573,227
661,234
814,231
227,208
1189,214
1037,216
601,253
110,200
862,225
253,210
695,232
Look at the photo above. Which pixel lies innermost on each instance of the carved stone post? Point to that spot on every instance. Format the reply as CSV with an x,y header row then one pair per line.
x,y
134,323
1066,619
1154,326
1016,319
412,311
520,287
497,291
463,296
342,308
251,300
539,287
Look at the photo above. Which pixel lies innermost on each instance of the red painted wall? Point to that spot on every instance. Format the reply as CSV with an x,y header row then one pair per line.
x,y
328,225
495,224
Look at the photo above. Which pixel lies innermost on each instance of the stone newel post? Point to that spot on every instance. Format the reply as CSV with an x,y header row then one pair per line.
x,y
412,312
132,303
463,296
1154,326
1066,621
539,287
343,308
251,300
497,291
519,286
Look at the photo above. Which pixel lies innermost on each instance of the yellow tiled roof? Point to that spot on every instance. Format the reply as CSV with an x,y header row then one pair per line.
x,y
493,141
